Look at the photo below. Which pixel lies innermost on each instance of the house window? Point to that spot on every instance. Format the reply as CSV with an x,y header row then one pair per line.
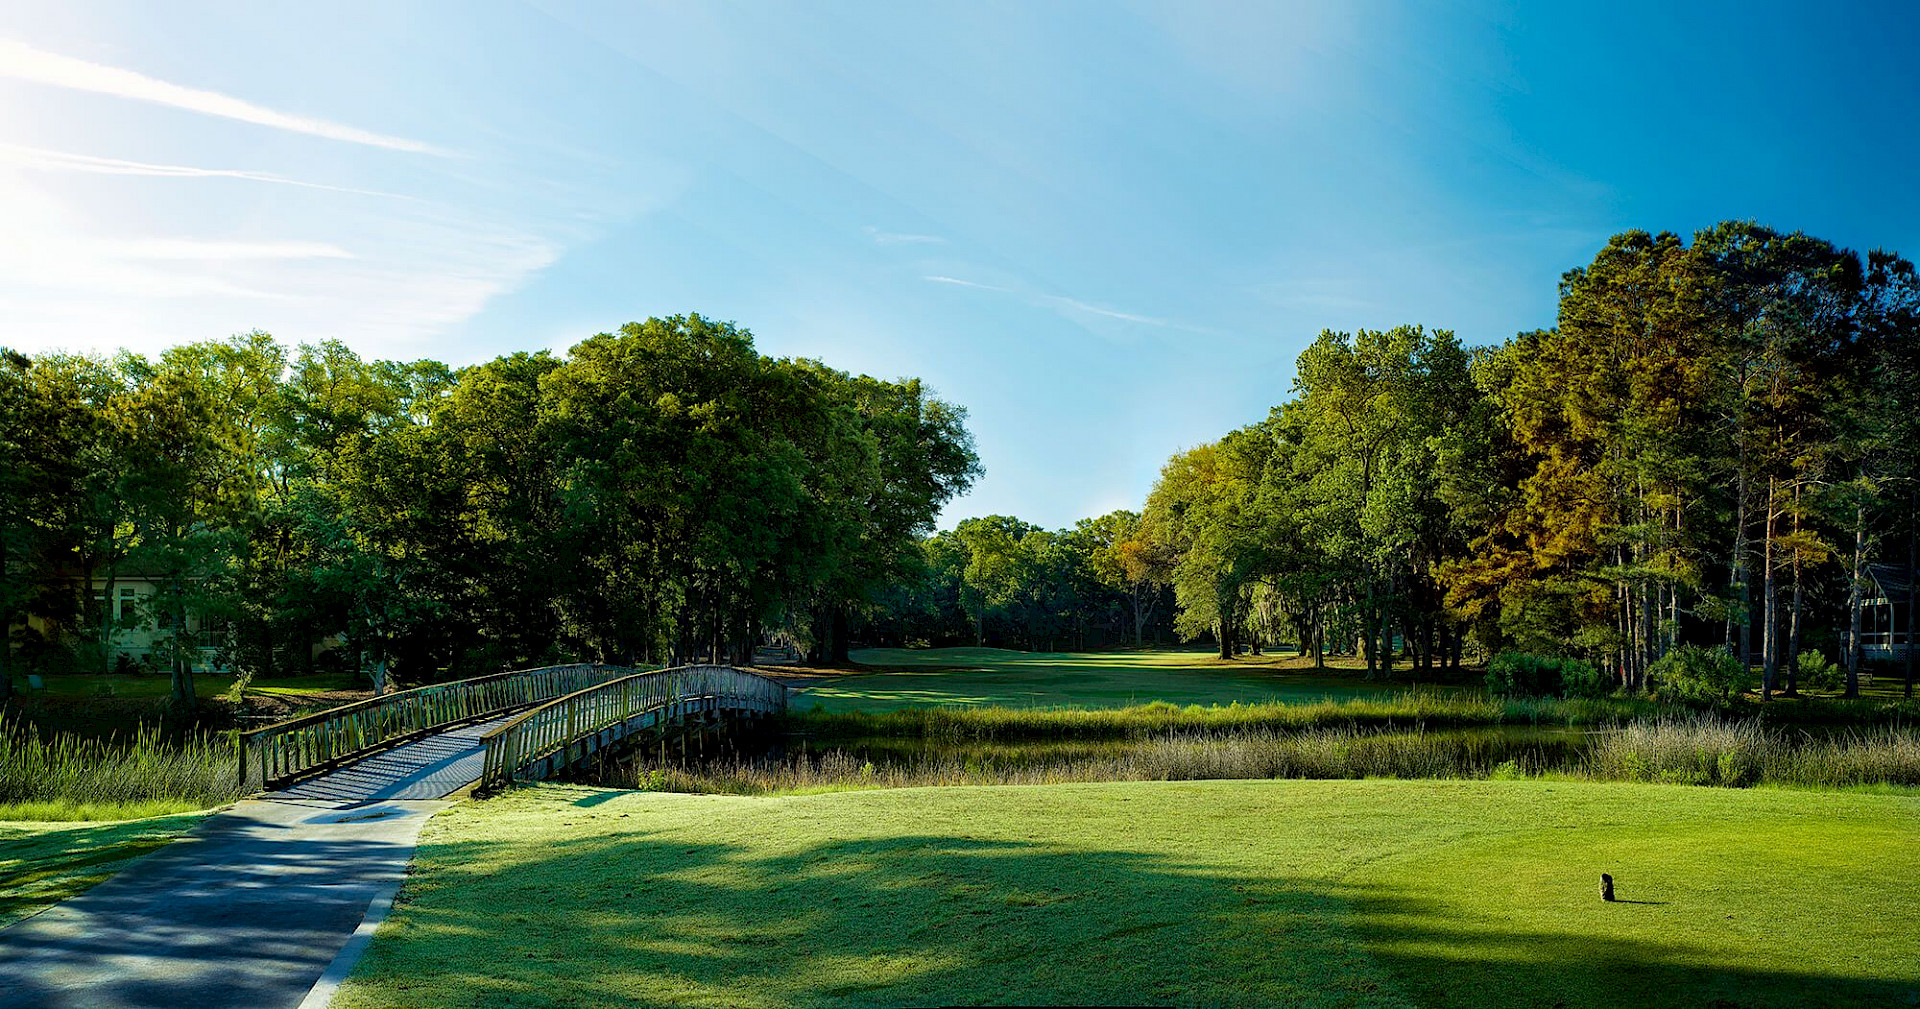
x,y
127,605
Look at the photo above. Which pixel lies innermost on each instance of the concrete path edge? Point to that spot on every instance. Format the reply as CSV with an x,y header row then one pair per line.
x,y
321,994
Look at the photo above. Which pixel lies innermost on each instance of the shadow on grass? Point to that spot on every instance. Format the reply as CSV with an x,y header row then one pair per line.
x,y
940,917
46,867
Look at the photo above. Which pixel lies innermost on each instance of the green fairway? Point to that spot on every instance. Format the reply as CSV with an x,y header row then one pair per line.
x,y
1371,893
42,863
995,676
205,684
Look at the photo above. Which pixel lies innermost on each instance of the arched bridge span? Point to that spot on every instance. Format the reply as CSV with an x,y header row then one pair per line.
x,y
488,732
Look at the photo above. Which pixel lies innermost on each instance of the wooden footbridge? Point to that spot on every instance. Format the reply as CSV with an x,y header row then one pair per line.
x,y
486,733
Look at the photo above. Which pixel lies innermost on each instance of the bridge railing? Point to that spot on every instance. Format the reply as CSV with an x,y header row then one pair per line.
x,y
671,692
286,750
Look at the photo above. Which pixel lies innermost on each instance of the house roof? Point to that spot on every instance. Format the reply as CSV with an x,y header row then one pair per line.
x,y
1893,579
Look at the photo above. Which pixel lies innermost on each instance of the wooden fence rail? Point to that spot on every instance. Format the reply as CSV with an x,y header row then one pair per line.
x,y
291,749
636,701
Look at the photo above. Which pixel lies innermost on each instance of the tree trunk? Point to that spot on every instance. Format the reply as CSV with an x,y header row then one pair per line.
x,y
1769,643
1385,648
6,631
182,666
1913,590
1855,599
1742,577
839,655
106,618
1793,617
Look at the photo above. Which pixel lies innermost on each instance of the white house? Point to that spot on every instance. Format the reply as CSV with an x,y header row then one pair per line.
x,y
1886,628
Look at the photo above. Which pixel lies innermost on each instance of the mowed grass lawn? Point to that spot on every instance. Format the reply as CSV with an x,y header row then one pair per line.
x,y
995,676
1315,893
42,864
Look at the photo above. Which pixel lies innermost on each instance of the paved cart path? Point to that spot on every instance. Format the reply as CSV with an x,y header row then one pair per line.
x,y
267,904
249,908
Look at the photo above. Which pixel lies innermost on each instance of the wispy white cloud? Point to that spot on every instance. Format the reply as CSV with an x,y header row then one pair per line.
x,y
1075,304
46,160
902,238
957,282
188,249
70,273
1067,306
23,62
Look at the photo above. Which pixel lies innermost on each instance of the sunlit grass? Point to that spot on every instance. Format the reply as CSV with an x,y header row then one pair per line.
x,y
1000,677
1314,893
205,685
76,811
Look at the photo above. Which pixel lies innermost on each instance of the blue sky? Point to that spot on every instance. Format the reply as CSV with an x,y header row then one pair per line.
x,y
1107,229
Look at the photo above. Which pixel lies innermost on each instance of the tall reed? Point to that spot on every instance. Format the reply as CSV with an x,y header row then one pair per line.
x,y
1405,710
1704,750
143,769
1696,750
1261,753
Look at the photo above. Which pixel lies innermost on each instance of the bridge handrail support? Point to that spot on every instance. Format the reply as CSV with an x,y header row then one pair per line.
x,y
299,747
529,737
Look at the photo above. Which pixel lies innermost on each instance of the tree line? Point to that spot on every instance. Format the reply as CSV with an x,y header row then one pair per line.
x,y
1710,447
997,580
655,494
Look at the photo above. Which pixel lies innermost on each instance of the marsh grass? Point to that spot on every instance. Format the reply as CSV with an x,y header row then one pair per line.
x,y
72,777
1701,749
1259,753
1404,710
1413,709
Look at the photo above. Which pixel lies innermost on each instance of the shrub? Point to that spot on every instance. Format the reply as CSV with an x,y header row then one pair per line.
x,y
1519,674
1584,679
1816,672
1693,673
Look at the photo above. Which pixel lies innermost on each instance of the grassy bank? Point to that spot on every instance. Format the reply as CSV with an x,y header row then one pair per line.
x,y
42,864
1315,893
70,777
